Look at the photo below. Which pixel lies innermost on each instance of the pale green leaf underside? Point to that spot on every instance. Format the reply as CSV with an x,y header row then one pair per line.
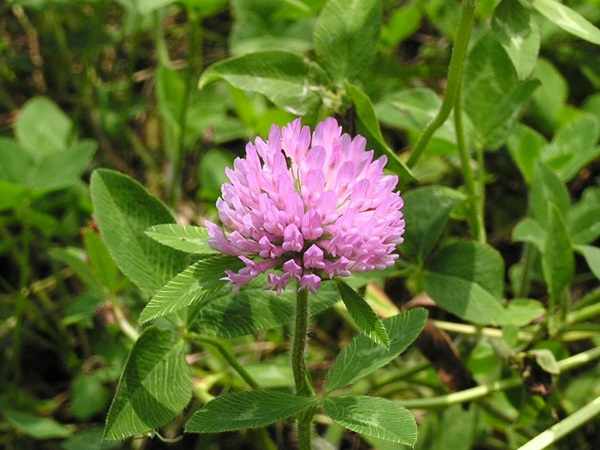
x,y
36,426
42,128
517,31
242,410
284,78
186,238
363,356
567,19
363,316
155,386
529,230
197,282
592,257
375,417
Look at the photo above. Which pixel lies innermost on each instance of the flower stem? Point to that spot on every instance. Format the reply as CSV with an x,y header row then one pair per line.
x,y
455,71
564,427
475,194
303,386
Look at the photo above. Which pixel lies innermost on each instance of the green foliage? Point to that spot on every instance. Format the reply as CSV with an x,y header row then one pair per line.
x,y
363,356
246,410
515,28
346,34
46,156
270,25
100,278
362,314
427,210
567,19
284,78
124,210
368,125
574,146
411,110
35,426
199,282
557,260
375,417
592,257
467,279
42,128
547,190
155,386
185,238
230,314
489,73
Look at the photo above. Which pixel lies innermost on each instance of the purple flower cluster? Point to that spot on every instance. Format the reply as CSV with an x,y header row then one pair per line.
x,y
305,207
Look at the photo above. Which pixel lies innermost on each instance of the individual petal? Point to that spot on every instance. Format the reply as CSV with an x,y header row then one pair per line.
x,y
311,225
292,268
292,239
310,282
313,258
218,241
278,282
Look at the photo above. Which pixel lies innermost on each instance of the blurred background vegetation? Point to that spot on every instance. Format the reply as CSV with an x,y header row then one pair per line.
x,y
93,83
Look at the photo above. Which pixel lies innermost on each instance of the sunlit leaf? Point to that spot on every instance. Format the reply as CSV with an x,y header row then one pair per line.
x,y
242,410
155,386
372,416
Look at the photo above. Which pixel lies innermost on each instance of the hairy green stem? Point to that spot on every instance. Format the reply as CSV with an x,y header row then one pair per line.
x,y
475,203
484,390
564,427
303,386
455,72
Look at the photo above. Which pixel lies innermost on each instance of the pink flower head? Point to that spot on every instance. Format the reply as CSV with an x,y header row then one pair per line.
x,y
305,207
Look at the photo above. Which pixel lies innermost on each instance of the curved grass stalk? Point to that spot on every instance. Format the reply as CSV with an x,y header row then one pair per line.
x,y
564,427
484,390
455,73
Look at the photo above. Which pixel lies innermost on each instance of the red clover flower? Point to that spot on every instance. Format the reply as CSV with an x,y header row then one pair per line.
x,y
307,207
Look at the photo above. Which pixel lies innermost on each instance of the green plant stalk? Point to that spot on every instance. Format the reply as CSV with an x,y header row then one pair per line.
x,y
590,298
455,71
564,427
584,313
475,204
125,326
262,433
484,390
481,193
193,63
461,396
528,261
229,357
301,382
